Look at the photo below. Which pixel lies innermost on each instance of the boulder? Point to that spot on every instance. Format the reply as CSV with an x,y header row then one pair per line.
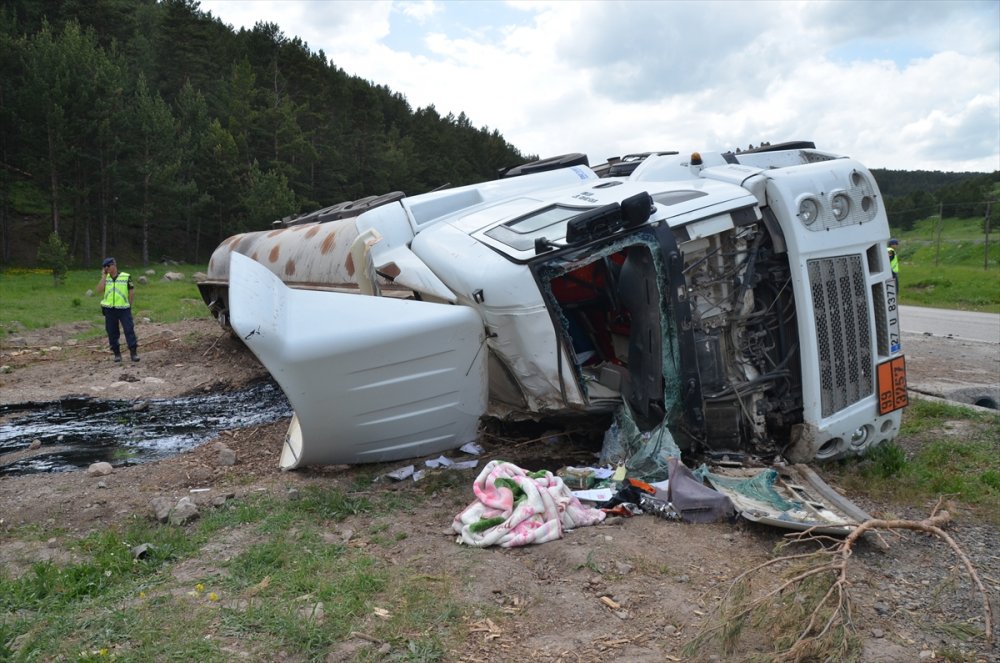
x,y
161,508
101,469
227,457
184,512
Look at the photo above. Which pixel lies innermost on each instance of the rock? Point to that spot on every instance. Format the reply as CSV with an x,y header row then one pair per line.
x,y
141,406
89,293
102,484
143,280
183,512
878,633
100,469
35,444
293,494
623,568
199,276
173,276
312,613
670,629
21,642
219,500
683,578
226,457
150,272
927,655
161,508
882,608
198,475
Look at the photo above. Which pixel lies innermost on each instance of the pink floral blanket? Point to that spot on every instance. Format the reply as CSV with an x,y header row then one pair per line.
x,y
515,508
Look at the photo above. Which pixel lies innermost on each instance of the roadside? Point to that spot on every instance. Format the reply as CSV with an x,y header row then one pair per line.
x,y
632,589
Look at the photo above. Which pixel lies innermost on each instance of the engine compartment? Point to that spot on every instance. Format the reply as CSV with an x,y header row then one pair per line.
x,y
638,333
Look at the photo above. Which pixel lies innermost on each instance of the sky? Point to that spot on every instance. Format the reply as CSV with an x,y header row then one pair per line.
x,y
909,85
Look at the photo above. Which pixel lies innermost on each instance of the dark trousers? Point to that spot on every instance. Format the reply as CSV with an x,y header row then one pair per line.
x,y
112,318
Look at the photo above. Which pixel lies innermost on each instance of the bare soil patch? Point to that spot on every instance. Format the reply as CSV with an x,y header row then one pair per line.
x,y
662,577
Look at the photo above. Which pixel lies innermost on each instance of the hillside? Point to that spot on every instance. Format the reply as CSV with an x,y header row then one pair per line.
x,y
151,128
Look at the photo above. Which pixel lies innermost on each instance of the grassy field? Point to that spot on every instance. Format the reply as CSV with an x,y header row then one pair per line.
x,y
955,271
933,462
289,591
31,300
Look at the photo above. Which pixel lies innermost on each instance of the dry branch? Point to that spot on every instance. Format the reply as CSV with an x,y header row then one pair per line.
x,y
826,629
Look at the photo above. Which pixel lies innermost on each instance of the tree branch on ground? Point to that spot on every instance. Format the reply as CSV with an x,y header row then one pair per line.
x,y
809,614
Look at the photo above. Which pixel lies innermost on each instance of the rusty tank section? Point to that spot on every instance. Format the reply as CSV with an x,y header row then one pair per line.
x,y
311,251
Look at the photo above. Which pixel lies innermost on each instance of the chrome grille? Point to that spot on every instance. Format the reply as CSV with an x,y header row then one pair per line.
x,y
843,331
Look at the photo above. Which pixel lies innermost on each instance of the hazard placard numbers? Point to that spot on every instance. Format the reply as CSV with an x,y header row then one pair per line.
x,y
892,385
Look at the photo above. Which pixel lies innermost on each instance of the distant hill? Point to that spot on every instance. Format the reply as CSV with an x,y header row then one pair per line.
x,y
898,183
147,128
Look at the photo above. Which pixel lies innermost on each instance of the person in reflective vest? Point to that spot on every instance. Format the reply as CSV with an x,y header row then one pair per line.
x,y
117,308
894,260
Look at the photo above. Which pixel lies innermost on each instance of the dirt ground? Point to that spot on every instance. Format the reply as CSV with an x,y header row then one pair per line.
x,y
662,577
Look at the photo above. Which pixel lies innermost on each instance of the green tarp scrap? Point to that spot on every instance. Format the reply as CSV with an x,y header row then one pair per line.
x,y
759,487
644,455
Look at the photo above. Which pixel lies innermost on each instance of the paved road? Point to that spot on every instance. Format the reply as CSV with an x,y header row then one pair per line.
x,y
968,325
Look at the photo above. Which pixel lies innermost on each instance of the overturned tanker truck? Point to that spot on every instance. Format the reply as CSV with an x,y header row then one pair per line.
x,y
743,299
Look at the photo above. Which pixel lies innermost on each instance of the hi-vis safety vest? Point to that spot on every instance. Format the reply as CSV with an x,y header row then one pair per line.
x,y
893,261
116,291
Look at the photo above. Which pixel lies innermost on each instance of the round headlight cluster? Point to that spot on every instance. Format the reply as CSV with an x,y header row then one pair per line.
x,y
840,205
808,211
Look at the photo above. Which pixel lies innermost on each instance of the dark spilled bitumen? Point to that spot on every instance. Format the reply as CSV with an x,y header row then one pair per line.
x,y
129,432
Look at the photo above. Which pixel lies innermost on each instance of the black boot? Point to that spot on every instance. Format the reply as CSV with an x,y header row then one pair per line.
x,y
135,354
118,356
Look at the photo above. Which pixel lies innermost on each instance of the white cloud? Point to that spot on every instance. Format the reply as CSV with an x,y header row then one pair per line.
x,y
901,85
420,11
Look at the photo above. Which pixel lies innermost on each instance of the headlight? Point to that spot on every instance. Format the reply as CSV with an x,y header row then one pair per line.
x,y
841,206
860,436
808,211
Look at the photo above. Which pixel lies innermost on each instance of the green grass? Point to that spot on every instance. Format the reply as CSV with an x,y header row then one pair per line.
x,y
950,273
953,287
32,301
262,600
926,463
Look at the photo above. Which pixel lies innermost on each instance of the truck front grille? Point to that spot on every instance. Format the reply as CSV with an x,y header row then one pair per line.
x,y
843,331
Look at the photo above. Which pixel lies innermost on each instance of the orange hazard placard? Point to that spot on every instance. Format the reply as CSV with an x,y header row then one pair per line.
x,y
892,385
